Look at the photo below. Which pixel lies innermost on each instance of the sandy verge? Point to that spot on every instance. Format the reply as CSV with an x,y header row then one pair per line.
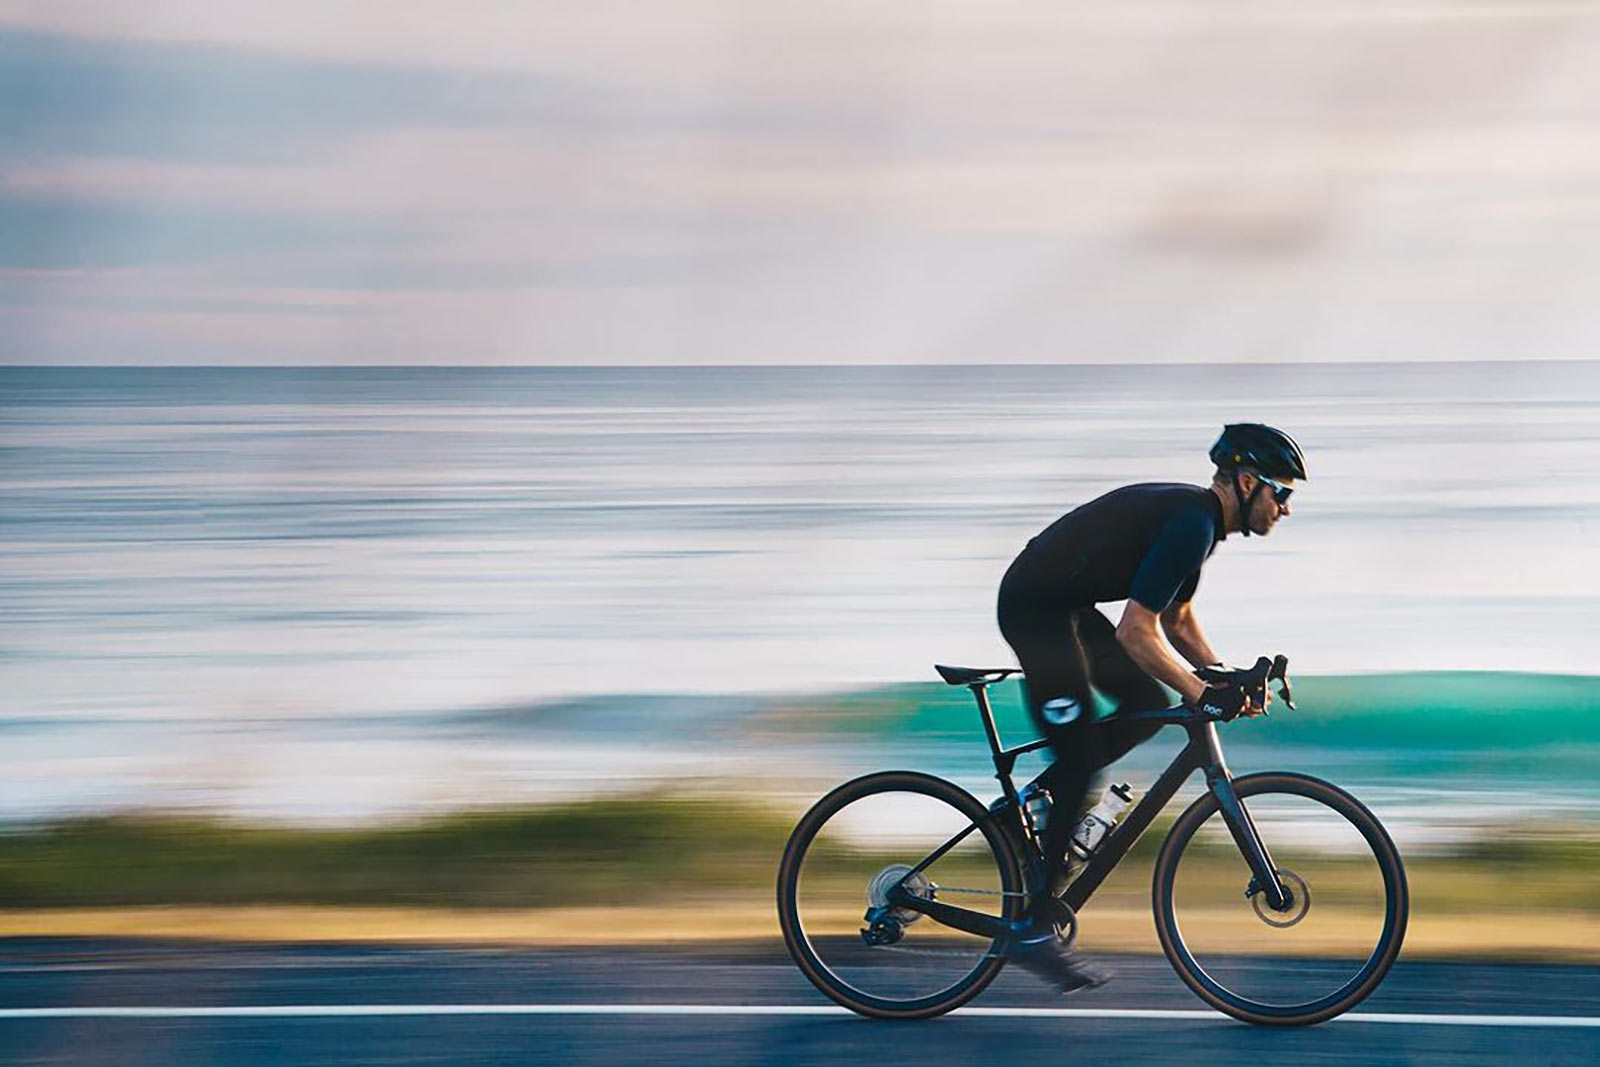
x,y
1564,937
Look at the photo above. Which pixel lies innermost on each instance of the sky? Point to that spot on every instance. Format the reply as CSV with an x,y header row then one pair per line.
x,y
354,182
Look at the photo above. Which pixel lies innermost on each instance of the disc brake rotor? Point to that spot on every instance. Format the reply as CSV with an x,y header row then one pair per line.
x,y
916,885
1298,907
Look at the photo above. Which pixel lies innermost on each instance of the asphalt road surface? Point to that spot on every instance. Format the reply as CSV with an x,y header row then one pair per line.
x,y
72,1001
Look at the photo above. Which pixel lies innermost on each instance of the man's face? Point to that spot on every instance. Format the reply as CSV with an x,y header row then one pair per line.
x,y
1266,511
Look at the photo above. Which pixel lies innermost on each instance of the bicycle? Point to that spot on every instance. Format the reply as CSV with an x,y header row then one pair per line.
x,y
1246,939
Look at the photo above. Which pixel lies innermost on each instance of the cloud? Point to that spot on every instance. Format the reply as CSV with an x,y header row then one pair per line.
x,y
73,96
42,233
707,180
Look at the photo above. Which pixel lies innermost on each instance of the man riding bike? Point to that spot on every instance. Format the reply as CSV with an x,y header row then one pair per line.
x,y
1145,544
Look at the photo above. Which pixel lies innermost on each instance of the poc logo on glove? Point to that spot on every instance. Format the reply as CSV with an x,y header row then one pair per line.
x,y
1222,703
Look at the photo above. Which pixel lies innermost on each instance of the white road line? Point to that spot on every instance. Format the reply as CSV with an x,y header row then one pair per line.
x,y
274,1011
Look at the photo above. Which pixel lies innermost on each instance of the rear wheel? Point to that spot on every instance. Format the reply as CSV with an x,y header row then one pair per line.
x,y
1309,962
865,837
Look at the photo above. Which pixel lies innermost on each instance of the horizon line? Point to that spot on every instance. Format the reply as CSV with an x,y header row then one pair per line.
x,y
5,365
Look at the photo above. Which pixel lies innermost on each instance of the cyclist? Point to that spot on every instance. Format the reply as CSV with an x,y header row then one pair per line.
x,y
1145,544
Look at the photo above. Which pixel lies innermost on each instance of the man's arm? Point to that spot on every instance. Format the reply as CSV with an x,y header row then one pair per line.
x,y
1183,630
1161,592
1138,635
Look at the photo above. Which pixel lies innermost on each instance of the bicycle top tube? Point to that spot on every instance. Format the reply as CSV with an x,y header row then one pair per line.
x,y
1253,679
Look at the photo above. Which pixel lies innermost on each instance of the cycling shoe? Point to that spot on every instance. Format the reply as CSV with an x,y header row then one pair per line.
x,y
1050,959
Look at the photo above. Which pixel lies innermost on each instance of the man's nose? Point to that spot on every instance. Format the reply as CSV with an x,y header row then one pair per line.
x,y
1284,507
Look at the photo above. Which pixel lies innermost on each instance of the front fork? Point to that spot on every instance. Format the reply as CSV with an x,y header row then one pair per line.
x,y
1251,846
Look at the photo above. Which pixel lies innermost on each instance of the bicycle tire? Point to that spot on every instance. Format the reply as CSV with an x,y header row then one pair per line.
x,y
813,952
1305,792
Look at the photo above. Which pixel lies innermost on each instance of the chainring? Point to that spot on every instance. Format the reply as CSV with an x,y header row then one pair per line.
x,y
1065,920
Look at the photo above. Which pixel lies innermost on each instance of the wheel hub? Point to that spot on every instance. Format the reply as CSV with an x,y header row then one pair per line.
x,y
1299,902
916,885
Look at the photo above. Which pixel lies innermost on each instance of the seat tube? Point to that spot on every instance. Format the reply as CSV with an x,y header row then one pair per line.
x,y
982,697
1003,762
1254,850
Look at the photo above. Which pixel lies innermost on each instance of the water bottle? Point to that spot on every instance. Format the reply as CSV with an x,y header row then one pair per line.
x,y
1095,825
1036,801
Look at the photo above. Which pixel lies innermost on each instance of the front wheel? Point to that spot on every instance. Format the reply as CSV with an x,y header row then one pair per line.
x,y
1309,962
867,836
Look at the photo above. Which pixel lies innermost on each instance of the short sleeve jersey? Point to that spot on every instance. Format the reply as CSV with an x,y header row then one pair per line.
x,y
1142,542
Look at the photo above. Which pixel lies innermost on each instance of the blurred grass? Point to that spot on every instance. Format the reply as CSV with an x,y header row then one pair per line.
x,y
636,849
651,849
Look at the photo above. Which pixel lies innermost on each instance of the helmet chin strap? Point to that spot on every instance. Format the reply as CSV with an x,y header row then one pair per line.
x,y
1246,506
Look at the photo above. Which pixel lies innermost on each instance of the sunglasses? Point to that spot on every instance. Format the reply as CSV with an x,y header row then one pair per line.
x,y
1280,493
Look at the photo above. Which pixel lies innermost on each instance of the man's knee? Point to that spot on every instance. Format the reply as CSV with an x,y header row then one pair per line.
x,y
1137,694
1061,711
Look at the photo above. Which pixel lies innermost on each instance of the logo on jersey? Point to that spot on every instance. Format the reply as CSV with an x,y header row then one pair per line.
x,y
1061,711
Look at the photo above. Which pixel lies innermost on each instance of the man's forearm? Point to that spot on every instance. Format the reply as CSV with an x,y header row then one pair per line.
x,y
1192,645
1145,648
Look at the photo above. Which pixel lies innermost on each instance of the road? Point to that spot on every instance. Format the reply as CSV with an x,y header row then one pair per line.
x,y
283,1004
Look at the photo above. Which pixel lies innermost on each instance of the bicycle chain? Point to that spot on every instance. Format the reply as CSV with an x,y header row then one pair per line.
x,y
951,953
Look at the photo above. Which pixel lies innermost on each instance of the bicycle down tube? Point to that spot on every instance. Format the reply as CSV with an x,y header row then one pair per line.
x,y
1203,752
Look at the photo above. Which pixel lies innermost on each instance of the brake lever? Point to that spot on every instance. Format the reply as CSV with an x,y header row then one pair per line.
x,y
1255,684
1280,671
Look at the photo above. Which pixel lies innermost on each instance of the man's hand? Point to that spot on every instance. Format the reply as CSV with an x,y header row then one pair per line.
x,y
1230,702
1251,709
1221,701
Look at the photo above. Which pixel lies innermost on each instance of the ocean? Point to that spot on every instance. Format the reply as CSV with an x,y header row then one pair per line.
x,y
323,593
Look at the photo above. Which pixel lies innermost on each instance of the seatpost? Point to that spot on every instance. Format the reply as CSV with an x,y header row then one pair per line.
x,y
982,697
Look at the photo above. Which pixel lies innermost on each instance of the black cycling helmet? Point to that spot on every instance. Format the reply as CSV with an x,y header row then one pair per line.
x,y
1259,448
1263,449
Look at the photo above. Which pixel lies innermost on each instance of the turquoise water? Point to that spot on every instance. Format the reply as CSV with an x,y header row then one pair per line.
x,y
1504,729
1424,713
319,591
1441,757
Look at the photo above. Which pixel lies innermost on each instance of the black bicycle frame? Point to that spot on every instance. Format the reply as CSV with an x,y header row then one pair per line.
x,y
1202,753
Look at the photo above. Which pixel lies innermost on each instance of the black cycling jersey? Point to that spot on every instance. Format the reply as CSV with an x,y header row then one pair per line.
x,y
1142,542
1145,543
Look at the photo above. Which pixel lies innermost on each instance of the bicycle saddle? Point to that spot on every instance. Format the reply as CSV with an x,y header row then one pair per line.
x,y
974,675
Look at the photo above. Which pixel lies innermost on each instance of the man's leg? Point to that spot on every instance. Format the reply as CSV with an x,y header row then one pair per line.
x,y
1062,705
1113,672
1060,701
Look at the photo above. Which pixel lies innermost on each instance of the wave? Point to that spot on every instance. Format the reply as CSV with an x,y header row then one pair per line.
x,y
1442,711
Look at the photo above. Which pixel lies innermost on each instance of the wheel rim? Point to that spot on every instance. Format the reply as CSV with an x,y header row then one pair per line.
x,y
1324,951
861,848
